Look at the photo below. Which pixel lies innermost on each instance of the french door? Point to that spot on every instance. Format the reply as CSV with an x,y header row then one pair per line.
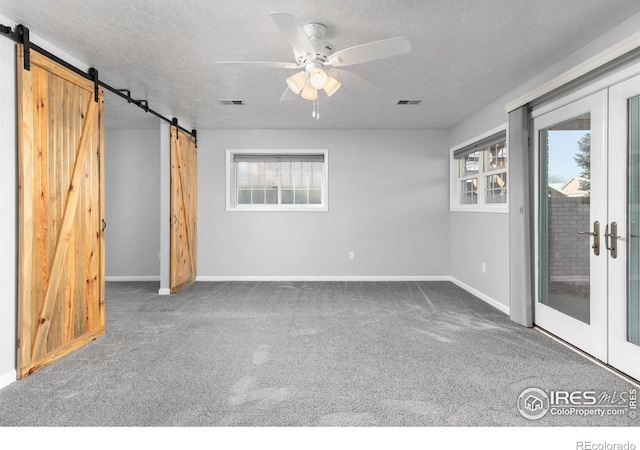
x,y
624,207
588,224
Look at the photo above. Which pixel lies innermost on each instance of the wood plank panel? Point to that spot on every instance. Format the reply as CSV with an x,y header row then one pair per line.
x,y
26,188
183,210
61,206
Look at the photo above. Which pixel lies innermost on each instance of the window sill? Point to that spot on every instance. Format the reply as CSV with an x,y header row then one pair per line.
x,y
501,209
278,208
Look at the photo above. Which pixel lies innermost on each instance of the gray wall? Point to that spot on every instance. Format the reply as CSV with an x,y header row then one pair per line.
x,y
8,230
478,238
165,208
388,202
132,197
465,251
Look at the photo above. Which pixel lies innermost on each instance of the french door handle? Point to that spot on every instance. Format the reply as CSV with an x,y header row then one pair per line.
x,y
613,248
596,237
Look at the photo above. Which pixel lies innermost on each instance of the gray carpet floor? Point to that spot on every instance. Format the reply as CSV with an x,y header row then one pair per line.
x,y
304,354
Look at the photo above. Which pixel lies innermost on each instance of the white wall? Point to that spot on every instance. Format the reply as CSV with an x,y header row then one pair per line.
x,y
388,202
493,229
132,210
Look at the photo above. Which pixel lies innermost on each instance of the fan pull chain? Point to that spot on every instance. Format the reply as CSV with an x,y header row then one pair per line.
x,y
316,109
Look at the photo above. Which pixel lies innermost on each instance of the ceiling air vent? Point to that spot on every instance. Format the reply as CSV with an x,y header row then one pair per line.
x,y
230,102
409,102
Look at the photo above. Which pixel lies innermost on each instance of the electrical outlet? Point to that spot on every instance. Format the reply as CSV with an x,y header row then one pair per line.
x,y
484,267
352,256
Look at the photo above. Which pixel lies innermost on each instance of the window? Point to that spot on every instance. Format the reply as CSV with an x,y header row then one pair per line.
x,y
277,180
479,173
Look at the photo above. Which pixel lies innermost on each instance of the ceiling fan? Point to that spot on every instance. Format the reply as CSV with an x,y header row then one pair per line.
x,y
317,62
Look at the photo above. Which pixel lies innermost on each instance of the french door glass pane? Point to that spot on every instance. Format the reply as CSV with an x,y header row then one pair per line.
x,y
633,225
564,211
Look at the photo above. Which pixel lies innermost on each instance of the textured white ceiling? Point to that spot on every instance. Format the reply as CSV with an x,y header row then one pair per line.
x,y
465,54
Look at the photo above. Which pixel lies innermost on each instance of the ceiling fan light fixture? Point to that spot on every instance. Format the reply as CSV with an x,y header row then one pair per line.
x,y
297,82
318,78
332,86
309,93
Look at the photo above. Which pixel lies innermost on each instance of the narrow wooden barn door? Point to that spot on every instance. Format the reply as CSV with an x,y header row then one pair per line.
x,y
61,210
183,210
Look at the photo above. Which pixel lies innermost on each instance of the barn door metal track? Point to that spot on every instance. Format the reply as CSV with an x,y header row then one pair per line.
x,y
21,36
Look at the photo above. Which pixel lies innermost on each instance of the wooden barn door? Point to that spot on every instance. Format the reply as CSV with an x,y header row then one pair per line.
x,y
183,210
61,210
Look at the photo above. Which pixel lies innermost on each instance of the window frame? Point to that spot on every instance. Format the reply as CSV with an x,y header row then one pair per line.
x,y
455,179
231,187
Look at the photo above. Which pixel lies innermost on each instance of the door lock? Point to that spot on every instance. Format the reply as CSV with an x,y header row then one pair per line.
x,y
596,237
613,248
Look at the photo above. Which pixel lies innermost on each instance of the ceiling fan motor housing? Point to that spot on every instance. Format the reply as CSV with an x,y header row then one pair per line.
x,y
316,33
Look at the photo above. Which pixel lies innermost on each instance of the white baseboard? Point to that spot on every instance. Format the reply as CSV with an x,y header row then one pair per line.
x,y
7,378
485,298
324,278
164,291
133,278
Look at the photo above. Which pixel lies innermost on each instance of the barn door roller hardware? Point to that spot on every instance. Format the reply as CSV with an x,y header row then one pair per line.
x,y
93,73
193,133
21,36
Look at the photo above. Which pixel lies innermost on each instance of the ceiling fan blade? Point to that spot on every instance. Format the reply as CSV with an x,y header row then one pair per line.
x,y
370,52
288,95
293,33
352,81
260,64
